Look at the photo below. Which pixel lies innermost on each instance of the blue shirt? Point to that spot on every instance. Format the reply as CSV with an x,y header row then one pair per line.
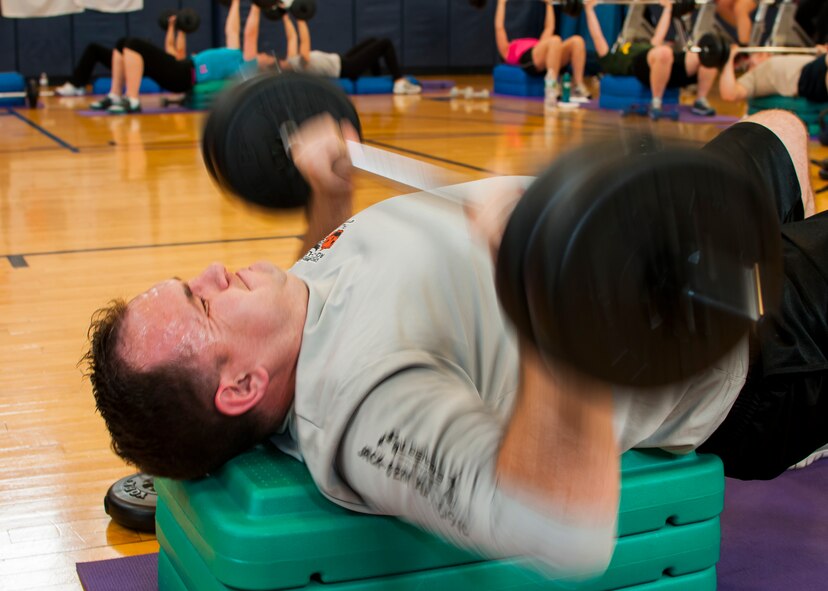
x,y
220,64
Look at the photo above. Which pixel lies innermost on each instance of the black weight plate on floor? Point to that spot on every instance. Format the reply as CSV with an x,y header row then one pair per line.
x,y
642,276
246,148
131,502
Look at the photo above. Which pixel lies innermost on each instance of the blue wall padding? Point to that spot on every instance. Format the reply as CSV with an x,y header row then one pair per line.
x,y
471,39
8,45
103,84
622,92
379,18
426,33
513,81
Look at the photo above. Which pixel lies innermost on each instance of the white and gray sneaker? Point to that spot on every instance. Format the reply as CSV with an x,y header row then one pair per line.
x,y
580,94
69,89
819,454
550,92
405,86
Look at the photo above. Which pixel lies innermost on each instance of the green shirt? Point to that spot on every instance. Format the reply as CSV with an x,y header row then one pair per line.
x,y
619,61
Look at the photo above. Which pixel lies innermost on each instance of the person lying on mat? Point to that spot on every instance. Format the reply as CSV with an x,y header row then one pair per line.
x,y
175,44
138,58
544,56
387,337
656,65
783,75
366,57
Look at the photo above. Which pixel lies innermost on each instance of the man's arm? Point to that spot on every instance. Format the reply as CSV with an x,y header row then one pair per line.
x,y
304,41
319,151
232,26
594,26
291,37
501,37
729,88
663,25
251,33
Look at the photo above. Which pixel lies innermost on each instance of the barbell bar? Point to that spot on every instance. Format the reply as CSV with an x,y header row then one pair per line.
x,y
575,7
714,50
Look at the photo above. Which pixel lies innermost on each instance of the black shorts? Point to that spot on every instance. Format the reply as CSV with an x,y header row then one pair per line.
x,y
812,81
781,414
678,74
528,65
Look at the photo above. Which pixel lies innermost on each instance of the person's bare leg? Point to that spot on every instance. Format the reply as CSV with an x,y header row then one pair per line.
x,y
573,51
706,76
744,24
546,55
117,87
793,134
133,72
660,60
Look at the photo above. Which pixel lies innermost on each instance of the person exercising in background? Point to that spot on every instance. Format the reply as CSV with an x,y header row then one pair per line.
x,y
544,56
175,44
656,65
785,75
138,58
367,56
738,13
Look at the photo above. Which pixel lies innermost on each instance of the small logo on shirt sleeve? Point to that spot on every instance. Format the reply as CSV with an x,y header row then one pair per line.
x,y
318,251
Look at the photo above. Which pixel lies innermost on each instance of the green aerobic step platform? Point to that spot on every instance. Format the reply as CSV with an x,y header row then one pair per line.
x,y
803,108
202,95
260,523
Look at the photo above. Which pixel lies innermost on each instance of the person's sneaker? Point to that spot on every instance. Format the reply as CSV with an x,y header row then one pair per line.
x,y
103,104
703,108
580,94
124,107
69,89
550,93
655,113
405,86
819,454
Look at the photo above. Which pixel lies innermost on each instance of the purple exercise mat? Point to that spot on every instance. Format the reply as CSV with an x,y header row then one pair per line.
x,y
130,573
144,111
774,538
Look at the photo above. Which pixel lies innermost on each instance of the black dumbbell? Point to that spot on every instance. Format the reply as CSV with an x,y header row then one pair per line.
x,y
187,20
302,10
634,263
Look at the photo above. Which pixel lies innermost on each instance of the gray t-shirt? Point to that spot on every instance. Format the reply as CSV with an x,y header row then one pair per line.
x,y
778,74
320,63
408,372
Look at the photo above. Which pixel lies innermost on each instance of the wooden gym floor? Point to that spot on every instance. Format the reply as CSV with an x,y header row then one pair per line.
x,y
97,207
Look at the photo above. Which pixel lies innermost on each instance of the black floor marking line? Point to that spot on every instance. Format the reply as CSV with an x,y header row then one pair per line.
x,y
48,134
431,157
19,260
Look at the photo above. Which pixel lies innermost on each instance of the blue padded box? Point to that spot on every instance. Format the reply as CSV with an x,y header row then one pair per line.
x,y
148,86
513,81
366,85
12,82
803,108
260,523
622,92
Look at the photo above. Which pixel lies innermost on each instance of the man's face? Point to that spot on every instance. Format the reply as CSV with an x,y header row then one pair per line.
x,y
215,315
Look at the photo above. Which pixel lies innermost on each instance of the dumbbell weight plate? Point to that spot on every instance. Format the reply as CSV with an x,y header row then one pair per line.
x,y
636,271
188,20
244,141
164,17
131,502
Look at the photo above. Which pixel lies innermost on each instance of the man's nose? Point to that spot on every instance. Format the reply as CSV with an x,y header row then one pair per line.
x,y
213,278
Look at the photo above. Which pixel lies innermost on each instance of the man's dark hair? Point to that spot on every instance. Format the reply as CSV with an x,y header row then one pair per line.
x,y
162,420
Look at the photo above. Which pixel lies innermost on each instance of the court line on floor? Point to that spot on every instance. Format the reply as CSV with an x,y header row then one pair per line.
x,y
18,260
430,156
45,132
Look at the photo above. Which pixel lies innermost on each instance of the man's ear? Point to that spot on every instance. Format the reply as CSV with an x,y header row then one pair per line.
x,y
236,397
